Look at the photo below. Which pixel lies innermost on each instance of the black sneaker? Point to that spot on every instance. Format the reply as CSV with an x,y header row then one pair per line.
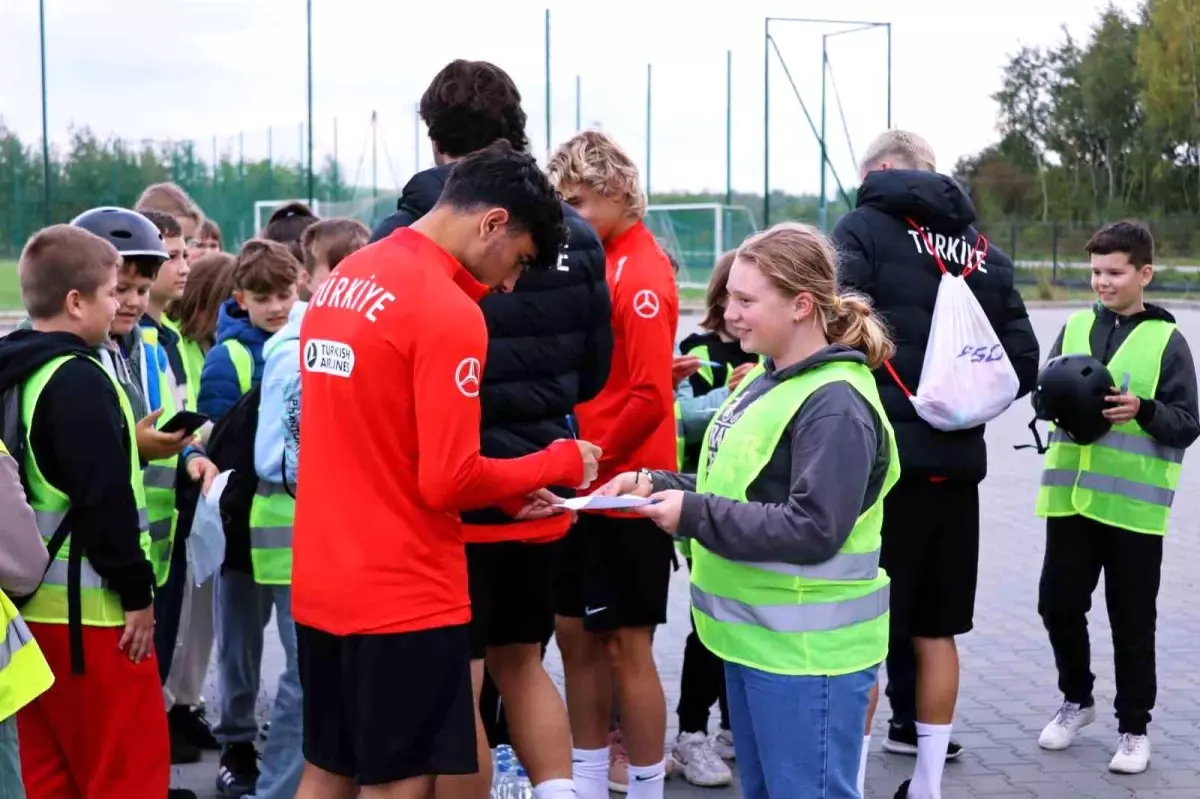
x,y
183,751
902,740
180,793
238,772
191,725
902,791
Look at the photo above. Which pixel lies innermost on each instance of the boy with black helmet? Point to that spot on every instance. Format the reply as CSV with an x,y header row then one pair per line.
x,y
1106,503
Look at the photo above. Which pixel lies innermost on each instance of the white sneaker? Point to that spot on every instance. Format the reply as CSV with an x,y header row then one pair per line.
x,y
722,744
698,762
1133,755
1069,719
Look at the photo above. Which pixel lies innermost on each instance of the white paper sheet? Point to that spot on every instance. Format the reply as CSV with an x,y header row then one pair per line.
x,y
606,503
206,543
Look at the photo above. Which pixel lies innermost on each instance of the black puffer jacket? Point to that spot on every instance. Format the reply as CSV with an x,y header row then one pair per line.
x,y
549,340
883,257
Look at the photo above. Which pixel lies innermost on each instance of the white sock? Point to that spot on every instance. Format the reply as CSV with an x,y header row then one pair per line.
x,y
932,740
646,782
589,767
555,789
862,765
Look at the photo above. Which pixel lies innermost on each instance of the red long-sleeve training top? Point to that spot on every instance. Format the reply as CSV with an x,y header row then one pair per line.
x,y
392,349
633,418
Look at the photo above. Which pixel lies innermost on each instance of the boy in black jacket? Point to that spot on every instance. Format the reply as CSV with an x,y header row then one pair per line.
x,y
81,465
1106,505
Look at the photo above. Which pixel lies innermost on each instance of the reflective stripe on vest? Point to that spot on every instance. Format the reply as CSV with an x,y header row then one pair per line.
x,y
1125,479
271,516
24,673
101,607
787,618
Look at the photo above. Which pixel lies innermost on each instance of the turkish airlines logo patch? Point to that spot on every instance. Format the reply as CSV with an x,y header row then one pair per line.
x,y
645,304
466,376
328,357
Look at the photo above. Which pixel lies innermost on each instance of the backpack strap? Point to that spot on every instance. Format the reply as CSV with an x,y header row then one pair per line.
x,y
976,257
243,363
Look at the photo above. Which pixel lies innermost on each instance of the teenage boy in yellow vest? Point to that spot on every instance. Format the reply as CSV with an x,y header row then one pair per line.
x,y
92,615
1106,505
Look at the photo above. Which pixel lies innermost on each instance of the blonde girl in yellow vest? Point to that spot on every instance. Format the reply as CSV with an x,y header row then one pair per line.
x,y
783,520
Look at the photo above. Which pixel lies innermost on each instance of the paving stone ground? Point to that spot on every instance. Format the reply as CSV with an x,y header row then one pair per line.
x,y
1008,680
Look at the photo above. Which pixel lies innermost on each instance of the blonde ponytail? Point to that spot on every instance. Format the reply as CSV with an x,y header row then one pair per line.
x,y
855,325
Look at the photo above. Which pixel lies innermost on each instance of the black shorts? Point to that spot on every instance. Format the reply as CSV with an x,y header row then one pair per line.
x,y
615,573
512,593
931,552
389,707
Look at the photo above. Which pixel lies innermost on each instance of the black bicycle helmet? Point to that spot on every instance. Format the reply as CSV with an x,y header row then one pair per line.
x,y
132,234
1071,392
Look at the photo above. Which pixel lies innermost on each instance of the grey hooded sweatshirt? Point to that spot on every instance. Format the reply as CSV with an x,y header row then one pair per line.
x,y
23,555
828,468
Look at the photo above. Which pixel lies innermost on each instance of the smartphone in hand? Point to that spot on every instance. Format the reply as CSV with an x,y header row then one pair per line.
x,y
185,421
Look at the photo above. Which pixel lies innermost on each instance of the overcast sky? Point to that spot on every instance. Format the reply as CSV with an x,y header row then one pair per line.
x,y
199,69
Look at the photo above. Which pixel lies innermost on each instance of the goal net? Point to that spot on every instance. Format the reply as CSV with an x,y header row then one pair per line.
x,y
697,233
264,208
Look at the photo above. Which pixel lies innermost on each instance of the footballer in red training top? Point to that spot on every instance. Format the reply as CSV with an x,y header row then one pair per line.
x,y
617,569
392,351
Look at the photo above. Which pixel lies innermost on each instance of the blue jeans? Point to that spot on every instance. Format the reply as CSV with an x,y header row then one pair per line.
x,y
243,610
798,736
11,786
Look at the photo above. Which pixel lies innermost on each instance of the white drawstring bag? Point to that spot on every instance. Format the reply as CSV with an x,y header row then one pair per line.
x,y
967,378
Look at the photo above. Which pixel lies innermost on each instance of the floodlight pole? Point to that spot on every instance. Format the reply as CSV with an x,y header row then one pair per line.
x,y
649,87
310,105
860,25
45,123
766,212
823,203
889,81
729,127
548,140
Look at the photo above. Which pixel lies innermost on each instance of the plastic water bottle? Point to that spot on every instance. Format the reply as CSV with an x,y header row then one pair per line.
x,y
522,788
502,782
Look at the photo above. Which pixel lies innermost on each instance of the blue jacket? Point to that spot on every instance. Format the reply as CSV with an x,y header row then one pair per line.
x,y
279,406
219,389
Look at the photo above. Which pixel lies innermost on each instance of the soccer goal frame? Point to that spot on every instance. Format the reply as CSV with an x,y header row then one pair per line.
x,y
695,264
269,206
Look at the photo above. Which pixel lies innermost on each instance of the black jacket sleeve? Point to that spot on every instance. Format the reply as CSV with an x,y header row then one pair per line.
x,y
1020,342
83,451
403,217
597,356
1172,417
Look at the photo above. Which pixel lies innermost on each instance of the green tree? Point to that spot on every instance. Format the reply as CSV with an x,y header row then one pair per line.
x,y
1168,62
1025,107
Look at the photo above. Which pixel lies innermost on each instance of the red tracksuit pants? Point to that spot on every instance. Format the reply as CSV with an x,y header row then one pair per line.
x,y
98,735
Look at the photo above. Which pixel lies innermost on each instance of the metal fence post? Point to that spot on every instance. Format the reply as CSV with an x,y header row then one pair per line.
x,y
1054,252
